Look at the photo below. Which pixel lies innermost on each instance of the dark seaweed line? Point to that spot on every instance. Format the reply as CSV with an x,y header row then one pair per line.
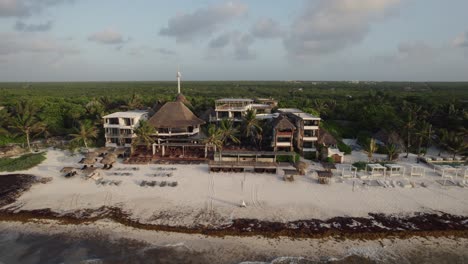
x,y
376,226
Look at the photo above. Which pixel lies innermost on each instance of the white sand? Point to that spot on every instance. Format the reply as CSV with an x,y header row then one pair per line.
x,y
204,198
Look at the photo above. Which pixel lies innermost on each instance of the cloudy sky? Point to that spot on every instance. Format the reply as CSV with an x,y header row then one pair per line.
x,y
87,40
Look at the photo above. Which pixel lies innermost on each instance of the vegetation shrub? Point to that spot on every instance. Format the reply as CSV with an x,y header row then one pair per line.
x,y
24,162
329,160
310,156
360,165
344,148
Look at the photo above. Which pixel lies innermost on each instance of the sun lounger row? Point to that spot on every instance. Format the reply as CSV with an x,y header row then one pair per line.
x,y
128,169
165,169
162,174
108,182
156,183
122,174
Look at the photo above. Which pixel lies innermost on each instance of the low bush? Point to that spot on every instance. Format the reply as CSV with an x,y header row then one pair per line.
x,y
24,162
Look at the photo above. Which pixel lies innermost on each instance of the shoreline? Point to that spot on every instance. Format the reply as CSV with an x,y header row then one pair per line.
x,y
373,228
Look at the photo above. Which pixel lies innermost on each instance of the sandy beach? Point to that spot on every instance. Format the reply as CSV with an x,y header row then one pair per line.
x,y
202,198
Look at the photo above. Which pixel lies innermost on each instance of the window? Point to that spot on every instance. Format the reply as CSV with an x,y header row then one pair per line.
x,y
113,121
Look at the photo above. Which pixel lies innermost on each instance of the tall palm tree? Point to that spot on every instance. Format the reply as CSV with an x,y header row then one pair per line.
x,y
454,143
410,122
423,132
251,126
370,148
134,102
25,119
214,137
144,133
228,131
87,131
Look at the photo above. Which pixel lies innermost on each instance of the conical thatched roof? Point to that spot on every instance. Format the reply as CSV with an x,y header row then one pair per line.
x,y
181,98
88,161
109,159
174,115
283,123
91,155
326,138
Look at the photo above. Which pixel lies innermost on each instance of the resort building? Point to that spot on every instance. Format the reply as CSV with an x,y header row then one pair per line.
x,y
307,129
119,127
283,134
329,147
236,108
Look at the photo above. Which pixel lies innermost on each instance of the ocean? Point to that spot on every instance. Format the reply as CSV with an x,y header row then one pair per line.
x,y
17,247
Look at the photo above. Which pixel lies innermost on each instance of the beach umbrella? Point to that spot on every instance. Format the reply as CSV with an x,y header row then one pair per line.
x,y
109,159
91,155
88,161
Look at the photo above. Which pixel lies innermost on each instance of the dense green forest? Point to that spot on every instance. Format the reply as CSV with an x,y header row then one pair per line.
x,y
422,114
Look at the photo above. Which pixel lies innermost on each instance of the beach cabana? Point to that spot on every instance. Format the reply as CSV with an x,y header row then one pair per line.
x,y
375,169
348,171
417,171
447,172
88,162
395,170
69,171
120,152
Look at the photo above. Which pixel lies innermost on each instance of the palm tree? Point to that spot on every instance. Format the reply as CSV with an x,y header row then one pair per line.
x,y
26,121
228,131
410,122
392,151
214,137
144,133
134,102
423,133
454,143
370,148
251,125
86,131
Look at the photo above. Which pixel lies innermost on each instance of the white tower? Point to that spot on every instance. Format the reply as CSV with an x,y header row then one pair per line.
x,y
178,80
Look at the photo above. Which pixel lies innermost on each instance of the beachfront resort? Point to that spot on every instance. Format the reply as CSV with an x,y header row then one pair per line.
x,y
166,165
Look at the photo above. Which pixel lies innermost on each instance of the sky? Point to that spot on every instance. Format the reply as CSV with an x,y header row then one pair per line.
x,y
147,40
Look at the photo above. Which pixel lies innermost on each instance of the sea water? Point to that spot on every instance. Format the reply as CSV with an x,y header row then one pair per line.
x,y
16,247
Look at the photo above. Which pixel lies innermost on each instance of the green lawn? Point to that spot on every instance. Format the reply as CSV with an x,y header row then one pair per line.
x,y
24,162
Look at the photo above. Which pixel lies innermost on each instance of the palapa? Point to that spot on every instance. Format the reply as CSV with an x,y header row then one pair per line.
x,y
68,169
88,161
109,159
91,155
174,115
301,167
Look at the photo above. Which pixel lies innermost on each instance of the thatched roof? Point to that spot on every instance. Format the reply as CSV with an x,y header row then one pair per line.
x,y
67,169
109,159
91,155
88,161
283,123
103,150
119,151
181,98
174,115
326,138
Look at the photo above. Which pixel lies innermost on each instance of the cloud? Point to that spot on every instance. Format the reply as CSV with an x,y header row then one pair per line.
x,y
461,40
266,28
415,52
24,8
143,50
107,36
12,43
202,22
240,43
21,26
332,25
165,51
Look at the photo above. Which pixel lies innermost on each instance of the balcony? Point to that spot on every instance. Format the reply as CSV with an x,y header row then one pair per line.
x,y
309,138
284,134
283,144
311,127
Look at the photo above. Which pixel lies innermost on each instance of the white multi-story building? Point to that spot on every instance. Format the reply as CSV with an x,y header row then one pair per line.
x,y
307,129
119,127
236,108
